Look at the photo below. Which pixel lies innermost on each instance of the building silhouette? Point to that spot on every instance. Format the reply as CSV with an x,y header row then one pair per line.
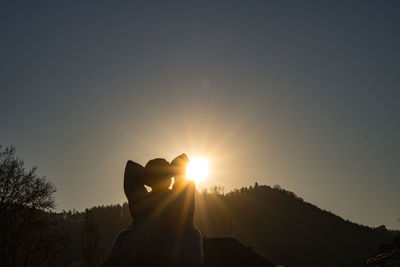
x,y
228,251
388,255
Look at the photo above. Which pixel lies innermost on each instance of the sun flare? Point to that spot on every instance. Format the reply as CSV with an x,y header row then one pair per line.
x,y
197,169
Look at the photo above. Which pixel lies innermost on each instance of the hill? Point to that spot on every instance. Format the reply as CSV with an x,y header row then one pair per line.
x,y
276,223
287,230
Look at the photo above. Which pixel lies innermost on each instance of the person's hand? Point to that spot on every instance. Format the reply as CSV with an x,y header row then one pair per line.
x,y
178,166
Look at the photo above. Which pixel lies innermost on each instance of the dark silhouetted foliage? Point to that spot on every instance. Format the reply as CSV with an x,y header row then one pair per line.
x,y
90,237
29,233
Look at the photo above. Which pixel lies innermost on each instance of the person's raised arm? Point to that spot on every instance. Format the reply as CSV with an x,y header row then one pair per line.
x,y
134,189
189,238
183,191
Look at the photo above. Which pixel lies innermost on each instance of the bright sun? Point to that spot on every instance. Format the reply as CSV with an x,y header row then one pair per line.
x,y
197,170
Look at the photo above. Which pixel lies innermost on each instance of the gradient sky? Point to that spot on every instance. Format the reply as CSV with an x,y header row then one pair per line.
x,y
304,95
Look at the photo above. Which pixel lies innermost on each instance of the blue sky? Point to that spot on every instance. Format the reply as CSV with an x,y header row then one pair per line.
x,y
304,95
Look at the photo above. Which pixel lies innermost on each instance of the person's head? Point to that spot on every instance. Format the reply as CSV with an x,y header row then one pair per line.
x,y
158,174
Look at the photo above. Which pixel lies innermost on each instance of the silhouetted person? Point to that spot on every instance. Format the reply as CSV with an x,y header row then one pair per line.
x,y
162,232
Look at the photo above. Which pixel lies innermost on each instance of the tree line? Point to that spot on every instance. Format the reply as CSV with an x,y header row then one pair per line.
x,y
279,225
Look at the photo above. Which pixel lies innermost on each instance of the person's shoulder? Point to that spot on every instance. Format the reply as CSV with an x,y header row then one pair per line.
x,y
123,242
124,237
194,232
126,232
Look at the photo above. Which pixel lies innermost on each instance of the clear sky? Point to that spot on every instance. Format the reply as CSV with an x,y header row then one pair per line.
x,y
304,95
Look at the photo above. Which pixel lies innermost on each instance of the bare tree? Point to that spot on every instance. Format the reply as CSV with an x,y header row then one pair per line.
x,y
90,238
27,235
